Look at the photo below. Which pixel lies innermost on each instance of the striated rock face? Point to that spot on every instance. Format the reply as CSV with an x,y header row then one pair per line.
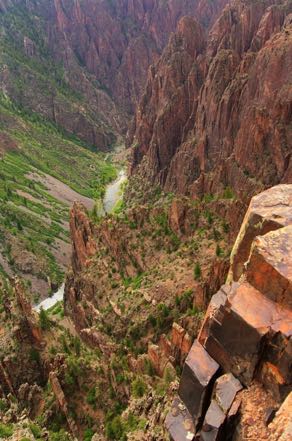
x,y
217,107
62,402
81,230
100,52
117,41
246,332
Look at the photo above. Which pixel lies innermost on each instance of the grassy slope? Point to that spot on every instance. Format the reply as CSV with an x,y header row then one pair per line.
x,y
32,220
33,81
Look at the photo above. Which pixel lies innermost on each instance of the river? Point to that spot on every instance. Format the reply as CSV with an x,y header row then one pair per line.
x,y
113,194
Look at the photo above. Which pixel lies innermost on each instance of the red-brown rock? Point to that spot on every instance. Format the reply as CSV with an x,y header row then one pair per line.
x,y
216,112
179,422
269,267
268,211
197,380
236,330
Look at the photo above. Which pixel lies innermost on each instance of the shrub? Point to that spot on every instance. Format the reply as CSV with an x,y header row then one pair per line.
x,y
2,405
228,193
149,369
6,430
77,345
34,355
225,227
197,271
88,434
209,217
138,388
164,309
219,251
59,436
114,429
45,323
92,397
35,430
152,320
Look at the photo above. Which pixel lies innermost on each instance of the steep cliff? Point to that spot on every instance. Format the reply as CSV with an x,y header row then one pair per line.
x,y
216,112
117,41
83,64
245,339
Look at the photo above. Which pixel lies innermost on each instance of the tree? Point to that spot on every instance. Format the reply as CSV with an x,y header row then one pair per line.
x,y
45,323
218,251
197,271
138,388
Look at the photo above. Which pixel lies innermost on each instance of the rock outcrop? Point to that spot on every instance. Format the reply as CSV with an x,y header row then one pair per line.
x,y
246,333
217,107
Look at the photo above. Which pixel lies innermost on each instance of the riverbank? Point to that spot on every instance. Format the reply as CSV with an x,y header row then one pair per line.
x,y
113,194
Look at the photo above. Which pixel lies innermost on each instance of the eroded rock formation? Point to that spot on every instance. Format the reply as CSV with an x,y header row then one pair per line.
x,y
217,107
246,333
101,52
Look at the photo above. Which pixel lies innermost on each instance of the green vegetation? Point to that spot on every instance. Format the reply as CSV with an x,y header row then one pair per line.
x,y
6,430
138,387
197,271
45,322
35,430
31,218
117,428
228,193
219,251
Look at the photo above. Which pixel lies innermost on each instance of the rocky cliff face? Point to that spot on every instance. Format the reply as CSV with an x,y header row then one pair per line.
x,y
83,65
217,107
246,335
117,41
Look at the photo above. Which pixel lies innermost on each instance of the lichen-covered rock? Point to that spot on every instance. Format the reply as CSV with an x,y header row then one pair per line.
x,y
237,330
179,422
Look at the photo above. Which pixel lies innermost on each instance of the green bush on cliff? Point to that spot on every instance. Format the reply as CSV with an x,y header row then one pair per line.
x,y
114,429
88,434
6,430
138,388
197,271
45,322
219,251
35,430
59,436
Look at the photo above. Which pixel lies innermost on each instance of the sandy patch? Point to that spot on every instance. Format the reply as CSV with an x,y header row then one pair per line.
x,y
62,252
61,191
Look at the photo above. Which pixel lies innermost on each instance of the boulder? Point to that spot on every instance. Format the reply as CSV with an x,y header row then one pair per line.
x,y
268,211
236,331
281,426
217,420
269,267
197,380
179,422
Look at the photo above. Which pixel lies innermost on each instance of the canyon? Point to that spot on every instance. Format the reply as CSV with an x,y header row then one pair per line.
x,y
174,321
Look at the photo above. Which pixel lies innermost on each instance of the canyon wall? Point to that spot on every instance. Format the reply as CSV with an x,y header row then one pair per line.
x,y
83,64
117,41
217,108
